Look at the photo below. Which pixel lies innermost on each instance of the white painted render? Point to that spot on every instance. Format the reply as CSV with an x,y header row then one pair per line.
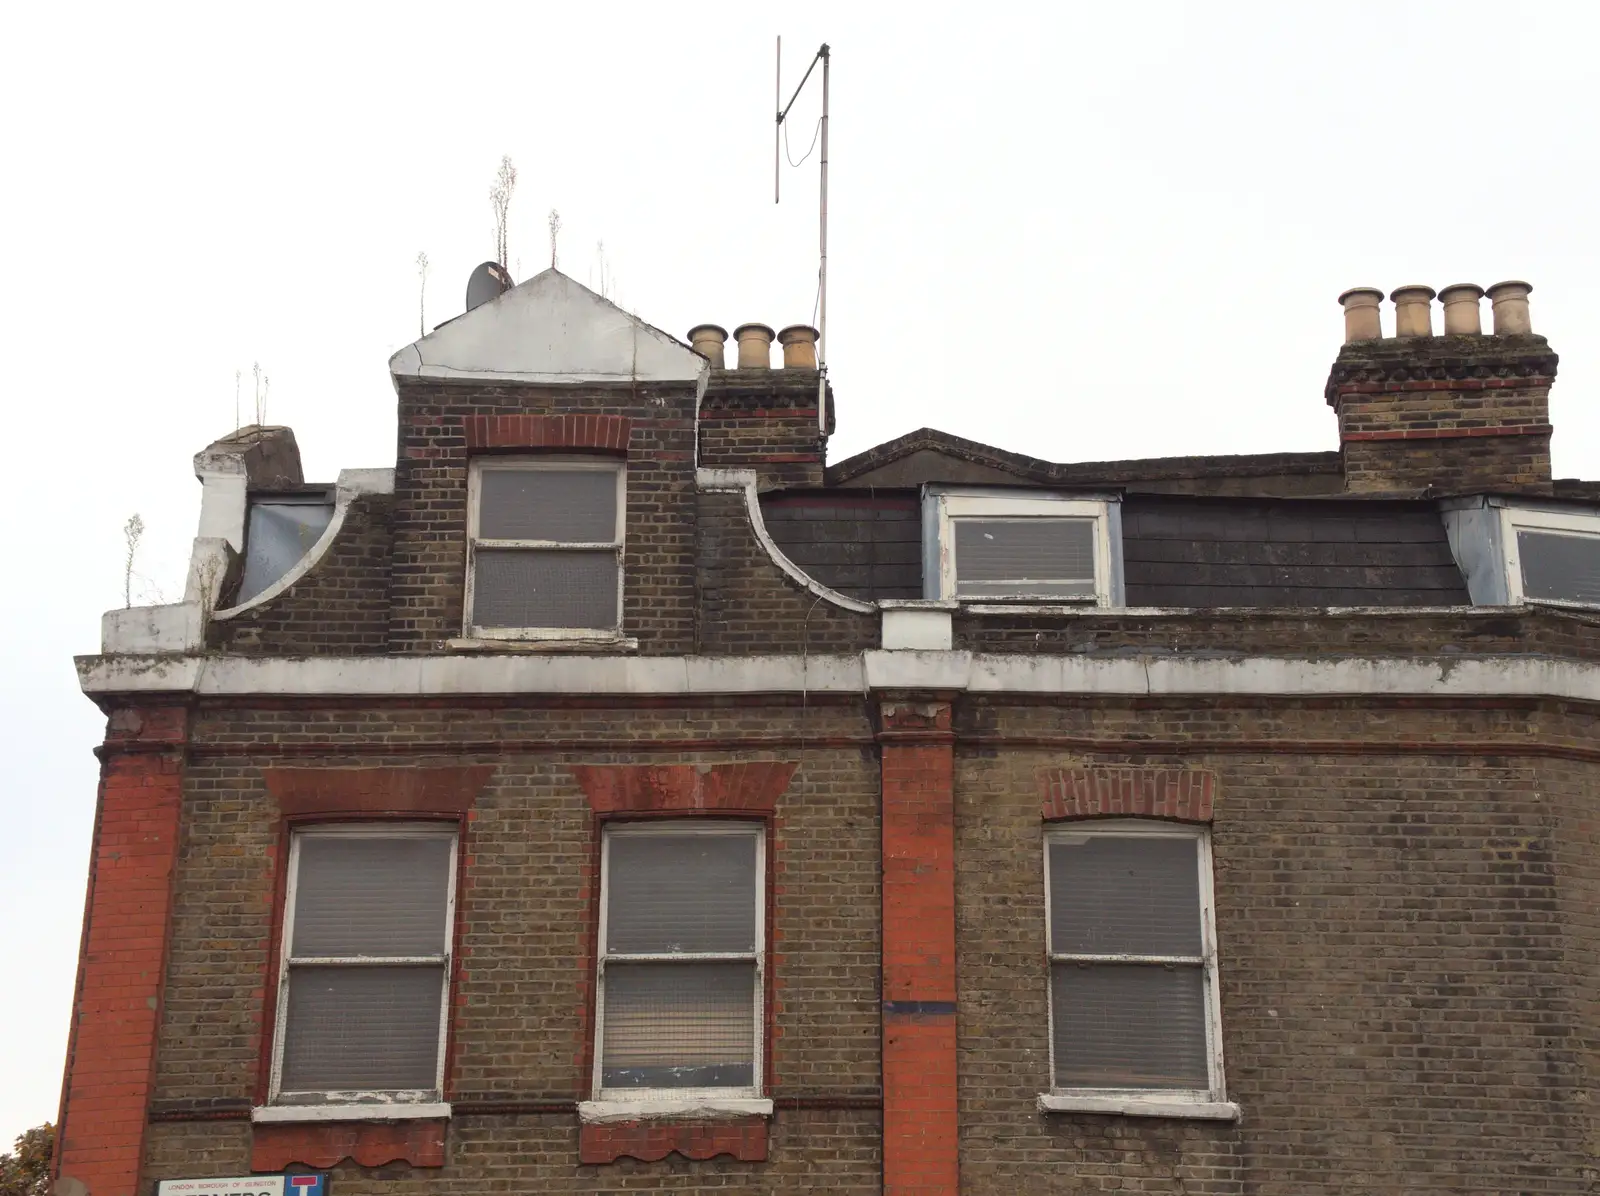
x,y
549,329
173,627
1139,1106
696,1109
1482,676
373,1111
917,627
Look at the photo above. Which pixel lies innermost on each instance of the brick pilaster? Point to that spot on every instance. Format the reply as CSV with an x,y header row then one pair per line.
x,y
122,965
919,949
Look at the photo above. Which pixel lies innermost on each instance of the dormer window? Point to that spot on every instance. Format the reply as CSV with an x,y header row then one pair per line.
x,y
280,530
998,546
545,550
1554,556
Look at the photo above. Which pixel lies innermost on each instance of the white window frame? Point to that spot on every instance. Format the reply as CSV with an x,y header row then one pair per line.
x,y
943,508
343,1104
475,473
613,1103
1585,524
1210,1102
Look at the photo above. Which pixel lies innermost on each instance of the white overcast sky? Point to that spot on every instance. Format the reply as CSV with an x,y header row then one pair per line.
x,y
1081,231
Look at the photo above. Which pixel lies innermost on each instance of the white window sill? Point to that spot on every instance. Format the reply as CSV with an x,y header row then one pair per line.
x,y
710,1108
375,1111
1139,1106
537,643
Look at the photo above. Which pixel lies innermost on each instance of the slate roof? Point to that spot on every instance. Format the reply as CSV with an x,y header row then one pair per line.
x,y
862,543
1229,552
1177,551
1307,472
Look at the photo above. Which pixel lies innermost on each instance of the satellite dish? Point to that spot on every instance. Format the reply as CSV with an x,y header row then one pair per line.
x,y
488,281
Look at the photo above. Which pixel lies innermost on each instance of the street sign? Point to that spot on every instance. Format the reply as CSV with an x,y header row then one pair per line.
x,y
248,1185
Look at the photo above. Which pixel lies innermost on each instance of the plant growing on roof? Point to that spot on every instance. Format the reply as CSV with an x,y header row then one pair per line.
x,y
505,182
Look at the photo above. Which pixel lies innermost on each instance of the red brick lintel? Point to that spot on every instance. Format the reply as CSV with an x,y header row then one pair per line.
x,y
603,433
753,786
1449,433
437,791
1185,794
745,1139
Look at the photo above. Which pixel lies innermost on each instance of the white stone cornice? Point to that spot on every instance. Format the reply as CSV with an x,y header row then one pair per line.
x,y
689,676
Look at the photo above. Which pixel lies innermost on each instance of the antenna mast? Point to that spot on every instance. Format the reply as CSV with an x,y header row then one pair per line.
x,y
821,56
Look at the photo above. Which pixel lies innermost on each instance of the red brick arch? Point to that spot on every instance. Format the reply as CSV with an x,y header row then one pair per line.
x,y
1134,790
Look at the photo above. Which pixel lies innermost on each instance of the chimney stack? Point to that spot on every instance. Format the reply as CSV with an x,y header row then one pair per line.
x,y
1510,301
1461,413
707,340
1460,301
799,343
1413,310
755,346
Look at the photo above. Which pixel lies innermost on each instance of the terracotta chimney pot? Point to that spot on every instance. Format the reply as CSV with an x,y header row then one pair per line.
x,y
1413,310
1510,301
1361,321
755,346
799,343
1460,301
707,340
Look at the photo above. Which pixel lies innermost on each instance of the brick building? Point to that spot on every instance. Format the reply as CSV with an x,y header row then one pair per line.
x,y
614,796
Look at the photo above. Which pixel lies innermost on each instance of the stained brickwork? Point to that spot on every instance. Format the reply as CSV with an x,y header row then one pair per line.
x,y
1277,632
430,505
341,607
1401,1013
519,1036
827,1150
1405,887
765,420
1452,414
747,605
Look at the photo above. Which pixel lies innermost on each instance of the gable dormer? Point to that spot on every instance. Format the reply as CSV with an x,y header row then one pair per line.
x,y
547,388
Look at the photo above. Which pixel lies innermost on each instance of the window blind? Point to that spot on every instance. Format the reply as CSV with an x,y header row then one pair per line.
x,y
672,1025
362,1028
1128,977
370,897
574,506
674,893
1558,567
544,588
1040,557
1129,1025
1124,896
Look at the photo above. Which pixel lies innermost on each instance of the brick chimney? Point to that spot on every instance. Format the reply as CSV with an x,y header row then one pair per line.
x,y
756,417
1458,413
